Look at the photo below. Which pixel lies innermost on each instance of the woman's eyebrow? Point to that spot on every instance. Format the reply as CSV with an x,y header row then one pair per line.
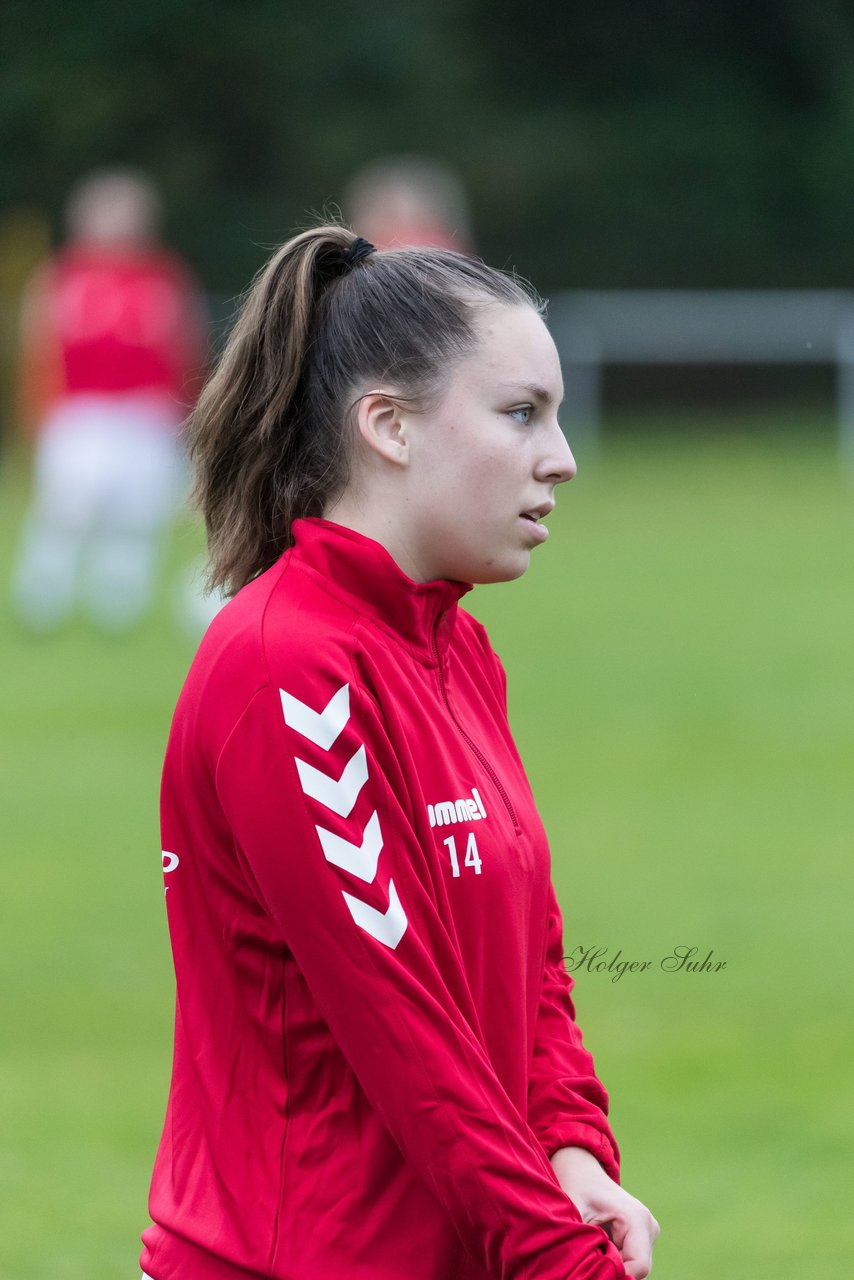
x,y
537,392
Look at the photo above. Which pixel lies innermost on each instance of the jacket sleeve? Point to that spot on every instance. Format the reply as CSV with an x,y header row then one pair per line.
x,y
567,1104
314,797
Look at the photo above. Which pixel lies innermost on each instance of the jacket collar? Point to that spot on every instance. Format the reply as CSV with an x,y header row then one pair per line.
x,y
364,575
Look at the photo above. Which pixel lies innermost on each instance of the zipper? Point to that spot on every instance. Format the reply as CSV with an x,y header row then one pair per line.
x,y
472,745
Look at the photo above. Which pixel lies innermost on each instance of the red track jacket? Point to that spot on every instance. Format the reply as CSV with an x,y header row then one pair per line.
x,y
375,1045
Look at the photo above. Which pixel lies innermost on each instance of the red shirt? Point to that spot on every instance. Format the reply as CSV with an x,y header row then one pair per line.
x,y
111,322
375,1044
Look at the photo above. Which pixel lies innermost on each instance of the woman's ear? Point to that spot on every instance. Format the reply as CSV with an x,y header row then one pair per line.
x,y
384,426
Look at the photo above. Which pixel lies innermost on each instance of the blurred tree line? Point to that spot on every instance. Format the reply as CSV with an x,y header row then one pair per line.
x,y
611,144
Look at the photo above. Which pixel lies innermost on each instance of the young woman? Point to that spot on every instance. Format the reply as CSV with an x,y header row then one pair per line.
x,y
113,343
377,1071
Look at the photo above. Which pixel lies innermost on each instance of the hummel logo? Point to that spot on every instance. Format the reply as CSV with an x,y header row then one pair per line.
x,y
338,791
447,812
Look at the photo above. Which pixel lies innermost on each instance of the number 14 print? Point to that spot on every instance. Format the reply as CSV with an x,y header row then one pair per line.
x,y
472,858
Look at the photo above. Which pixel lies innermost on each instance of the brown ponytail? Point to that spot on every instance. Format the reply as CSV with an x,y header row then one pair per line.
x,y
268,436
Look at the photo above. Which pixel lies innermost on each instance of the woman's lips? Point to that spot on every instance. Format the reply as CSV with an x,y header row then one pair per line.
x,y
537,531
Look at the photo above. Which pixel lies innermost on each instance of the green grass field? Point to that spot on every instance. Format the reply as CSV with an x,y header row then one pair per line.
x,y
680,665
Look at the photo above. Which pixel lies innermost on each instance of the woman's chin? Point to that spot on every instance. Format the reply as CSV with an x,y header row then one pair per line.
x,y
501,569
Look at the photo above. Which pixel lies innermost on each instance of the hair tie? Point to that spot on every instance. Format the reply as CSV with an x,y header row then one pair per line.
x,y
358,250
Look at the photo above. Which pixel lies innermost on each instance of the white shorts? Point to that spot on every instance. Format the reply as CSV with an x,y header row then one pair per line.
x,y
110,460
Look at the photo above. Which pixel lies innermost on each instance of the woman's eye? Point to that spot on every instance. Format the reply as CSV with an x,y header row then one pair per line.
x,y
526,410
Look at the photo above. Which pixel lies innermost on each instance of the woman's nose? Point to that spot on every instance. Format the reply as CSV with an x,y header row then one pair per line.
x,y
558,465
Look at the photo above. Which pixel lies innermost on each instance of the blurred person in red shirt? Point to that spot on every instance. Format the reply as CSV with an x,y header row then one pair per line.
x,y
113,341
410,200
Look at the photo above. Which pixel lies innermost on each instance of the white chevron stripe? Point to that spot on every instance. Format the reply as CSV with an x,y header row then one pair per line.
x,y
360,859
320,727
386,926
338,796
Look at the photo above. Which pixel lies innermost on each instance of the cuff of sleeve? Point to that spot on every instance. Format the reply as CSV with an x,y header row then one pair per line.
x,y
575,1134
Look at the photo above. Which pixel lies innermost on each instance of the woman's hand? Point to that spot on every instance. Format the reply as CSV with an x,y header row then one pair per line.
x,y
600,1200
